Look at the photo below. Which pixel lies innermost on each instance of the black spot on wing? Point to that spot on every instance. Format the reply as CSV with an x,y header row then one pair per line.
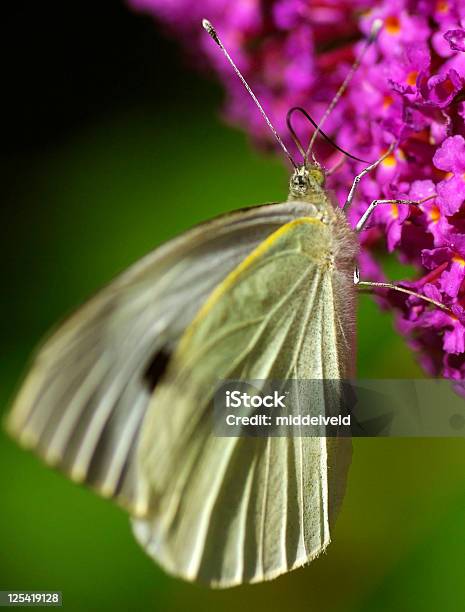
x,y
156,368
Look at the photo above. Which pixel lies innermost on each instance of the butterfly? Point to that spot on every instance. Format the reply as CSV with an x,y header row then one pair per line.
x,y
119,396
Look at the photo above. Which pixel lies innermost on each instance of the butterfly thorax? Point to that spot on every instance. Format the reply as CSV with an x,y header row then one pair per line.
x,y
307,184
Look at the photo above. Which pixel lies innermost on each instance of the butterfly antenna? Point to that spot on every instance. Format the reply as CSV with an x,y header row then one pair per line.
x,y
375,29
298,144
213,33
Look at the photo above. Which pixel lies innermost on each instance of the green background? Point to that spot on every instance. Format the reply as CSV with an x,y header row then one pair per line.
x,y
130,153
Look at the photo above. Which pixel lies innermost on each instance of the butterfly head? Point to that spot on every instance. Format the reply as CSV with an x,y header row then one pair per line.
x,y
307,180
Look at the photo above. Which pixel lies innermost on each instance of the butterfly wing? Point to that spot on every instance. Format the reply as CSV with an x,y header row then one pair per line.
x,y
82,403
229,510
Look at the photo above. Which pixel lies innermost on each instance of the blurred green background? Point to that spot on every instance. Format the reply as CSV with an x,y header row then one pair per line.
x,y
111,145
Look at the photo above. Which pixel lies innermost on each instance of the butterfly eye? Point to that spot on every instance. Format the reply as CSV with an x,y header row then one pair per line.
x,y
306,179
300,181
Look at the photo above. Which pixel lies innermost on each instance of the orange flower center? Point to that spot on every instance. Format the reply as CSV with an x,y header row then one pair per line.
x,y
412,78
434,214
390,161
394,211
392,25
459,260
387,101
442,6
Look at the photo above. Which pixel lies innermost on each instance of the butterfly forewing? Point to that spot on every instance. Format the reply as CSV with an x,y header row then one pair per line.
x,y
228,510
82,403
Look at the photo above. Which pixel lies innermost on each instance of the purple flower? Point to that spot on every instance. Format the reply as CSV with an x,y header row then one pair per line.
x,y
410,87
451,277
441,89
456,39
450,157
406,69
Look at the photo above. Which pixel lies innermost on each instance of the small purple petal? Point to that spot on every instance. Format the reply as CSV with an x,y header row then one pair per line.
x,y
432,292
450,156
454,340
459,312
456,39
451,280
431,258
394,233
451,195
441,89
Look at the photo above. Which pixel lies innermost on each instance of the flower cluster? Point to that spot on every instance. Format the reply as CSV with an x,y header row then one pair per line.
x,y
409,88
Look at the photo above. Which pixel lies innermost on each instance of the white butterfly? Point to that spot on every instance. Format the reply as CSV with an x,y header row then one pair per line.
x,y
120,396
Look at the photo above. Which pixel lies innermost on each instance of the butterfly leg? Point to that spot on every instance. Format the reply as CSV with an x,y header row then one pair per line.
x,y
364,218
393,287
364,172
373,285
